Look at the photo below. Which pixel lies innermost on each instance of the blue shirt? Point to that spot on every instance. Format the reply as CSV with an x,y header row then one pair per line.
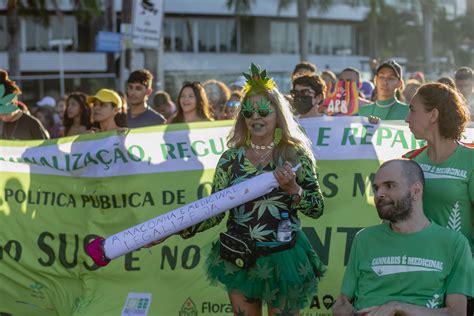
x,y
148,118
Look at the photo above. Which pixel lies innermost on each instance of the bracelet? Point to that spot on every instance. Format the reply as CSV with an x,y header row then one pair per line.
x,y
298,195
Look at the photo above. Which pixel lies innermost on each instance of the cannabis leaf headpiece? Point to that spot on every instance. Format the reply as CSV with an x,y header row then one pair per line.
x,y
257,80
6,104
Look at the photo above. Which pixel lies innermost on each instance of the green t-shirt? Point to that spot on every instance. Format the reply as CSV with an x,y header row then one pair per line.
x,y
418,268
390,109
449,190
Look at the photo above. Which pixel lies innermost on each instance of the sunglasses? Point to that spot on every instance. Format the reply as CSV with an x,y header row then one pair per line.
x,y
263,108
233,104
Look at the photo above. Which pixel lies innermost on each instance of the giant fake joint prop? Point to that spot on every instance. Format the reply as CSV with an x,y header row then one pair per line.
x,y
103,250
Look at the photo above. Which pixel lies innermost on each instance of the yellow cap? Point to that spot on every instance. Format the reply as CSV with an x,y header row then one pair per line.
x,y
106,95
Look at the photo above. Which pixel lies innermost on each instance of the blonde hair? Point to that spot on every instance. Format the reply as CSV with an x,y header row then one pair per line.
x,y
293,139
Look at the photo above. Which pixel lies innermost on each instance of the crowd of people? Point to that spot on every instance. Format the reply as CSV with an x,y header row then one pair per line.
x,y
419,261
386,97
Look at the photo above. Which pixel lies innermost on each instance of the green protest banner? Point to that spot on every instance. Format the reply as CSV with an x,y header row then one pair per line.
x,y
56,196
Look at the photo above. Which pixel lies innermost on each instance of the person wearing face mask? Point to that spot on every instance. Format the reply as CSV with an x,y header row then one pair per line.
x,y
308,93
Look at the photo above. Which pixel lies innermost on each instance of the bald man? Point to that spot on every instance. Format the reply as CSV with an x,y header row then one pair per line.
x,y
406,265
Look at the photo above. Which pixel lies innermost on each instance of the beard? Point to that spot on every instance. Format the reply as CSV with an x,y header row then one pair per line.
x,y
395,210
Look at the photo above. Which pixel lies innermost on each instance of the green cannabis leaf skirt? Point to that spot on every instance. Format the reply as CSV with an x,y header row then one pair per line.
x,y
287,279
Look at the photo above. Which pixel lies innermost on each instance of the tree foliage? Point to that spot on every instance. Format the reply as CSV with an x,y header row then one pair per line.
x,y
40,10
240,7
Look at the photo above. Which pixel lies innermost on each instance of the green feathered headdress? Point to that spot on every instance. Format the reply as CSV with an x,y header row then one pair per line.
x,y
6,101
257,80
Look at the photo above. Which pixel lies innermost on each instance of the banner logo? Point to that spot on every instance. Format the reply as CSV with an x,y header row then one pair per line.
x,y
188,308
37,290
137,304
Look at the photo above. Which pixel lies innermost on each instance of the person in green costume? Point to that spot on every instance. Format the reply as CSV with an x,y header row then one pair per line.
x,y
408,265
388,80
439,116
267,138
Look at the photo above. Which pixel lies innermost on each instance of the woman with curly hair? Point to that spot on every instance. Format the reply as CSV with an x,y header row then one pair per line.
x,y
439,116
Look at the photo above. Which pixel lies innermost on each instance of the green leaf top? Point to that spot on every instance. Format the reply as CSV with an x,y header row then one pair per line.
x,y
271,204
258,233
241,216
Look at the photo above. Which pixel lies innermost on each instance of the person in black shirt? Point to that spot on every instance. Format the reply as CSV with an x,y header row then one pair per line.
x,y
15,123
19,125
